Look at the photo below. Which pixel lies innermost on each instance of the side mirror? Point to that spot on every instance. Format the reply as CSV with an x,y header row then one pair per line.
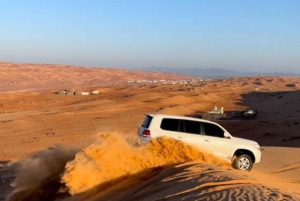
x,y
227,136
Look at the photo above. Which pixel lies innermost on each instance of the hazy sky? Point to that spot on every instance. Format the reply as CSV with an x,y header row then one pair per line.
x,y
253,35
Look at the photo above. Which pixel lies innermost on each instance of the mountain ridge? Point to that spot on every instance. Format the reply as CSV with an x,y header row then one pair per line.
x,y
213,72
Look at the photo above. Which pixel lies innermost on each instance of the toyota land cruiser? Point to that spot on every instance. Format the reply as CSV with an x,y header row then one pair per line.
x,y
207,135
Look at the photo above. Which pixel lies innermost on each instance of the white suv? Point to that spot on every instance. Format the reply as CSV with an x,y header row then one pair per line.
x,y
205,134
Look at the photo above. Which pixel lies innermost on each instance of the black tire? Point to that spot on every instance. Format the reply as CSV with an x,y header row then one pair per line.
x,y
243,162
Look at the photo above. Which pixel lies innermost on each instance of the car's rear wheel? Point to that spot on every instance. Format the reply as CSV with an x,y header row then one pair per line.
x,y
243,162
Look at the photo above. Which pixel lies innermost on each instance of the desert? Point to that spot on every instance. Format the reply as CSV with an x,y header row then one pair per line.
x,y
81,147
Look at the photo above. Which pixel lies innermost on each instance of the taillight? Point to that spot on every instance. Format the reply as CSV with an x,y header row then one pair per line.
x,y
146,133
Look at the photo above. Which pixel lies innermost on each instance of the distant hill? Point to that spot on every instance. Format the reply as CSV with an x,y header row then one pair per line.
x,y
30,77
213,72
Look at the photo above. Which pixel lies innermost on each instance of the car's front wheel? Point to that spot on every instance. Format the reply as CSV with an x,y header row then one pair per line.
x,y
243,162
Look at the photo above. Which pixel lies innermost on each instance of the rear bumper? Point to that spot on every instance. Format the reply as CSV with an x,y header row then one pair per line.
x,y
143,139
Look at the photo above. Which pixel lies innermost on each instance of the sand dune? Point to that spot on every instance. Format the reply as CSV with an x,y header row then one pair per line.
x,y
33,118
205,182
158,171
154,177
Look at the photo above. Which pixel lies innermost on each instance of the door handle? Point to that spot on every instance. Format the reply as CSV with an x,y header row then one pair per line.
x,y
179,137
207,140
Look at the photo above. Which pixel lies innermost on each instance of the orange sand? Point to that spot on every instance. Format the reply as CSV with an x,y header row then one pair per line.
x,y
106,167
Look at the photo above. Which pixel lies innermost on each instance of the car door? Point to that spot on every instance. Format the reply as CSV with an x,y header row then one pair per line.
x,y
190,133
215,141
169,127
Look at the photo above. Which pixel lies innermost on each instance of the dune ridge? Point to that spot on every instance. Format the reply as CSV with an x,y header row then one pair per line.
x,y
196,181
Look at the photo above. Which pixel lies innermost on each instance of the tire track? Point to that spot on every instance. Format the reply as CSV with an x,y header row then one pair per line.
x,y
285,169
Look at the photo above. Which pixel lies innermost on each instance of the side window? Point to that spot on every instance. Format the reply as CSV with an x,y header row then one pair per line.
x,y
170,124
213,130
181,126
192,127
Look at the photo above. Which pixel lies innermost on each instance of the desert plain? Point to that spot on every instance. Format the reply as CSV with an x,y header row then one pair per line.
x,y
75,147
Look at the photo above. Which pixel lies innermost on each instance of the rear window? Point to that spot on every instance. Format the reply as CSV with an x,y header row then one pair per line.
x,y
147,122
170,124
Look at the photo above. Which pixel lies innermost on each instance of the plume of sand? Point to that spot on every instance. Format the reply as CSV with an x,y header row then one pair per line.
x,y
38,176
114,157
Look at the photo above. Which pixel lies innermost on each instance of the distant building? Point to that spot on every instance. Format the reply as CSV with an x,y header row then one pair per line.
x,y
70,93
95,92
217,111
62,92
66,92
292,85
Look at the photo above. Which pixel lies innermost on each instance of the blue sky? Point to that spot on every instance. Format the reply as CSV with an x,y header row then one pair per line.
x,y
250,36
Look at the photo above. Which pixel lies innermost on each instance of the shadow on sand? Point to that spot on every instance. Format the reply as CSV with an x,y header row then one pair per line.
x,y
277,122
52,190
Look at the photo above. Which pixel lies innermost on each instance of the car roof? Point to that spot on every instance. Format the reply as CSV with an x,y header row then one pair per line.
x,y
181,117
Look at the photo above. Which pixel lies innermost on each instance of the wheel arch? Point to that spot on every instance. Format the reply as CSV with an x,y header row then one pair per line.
x,y
244,151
